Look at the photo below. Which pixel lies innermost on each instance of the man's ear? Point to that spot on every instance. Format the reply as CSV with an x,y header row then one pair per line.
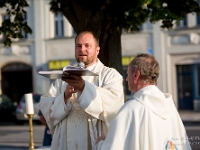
x,y
137,74
98,49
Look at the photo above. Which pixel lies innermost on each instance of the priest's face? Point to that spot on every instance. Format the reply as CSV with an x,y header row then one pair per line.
x,y
86,49
131,80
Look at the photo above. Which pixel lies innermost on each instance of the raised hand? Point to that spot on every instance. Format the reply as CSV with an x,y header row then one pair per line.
x,y
75,81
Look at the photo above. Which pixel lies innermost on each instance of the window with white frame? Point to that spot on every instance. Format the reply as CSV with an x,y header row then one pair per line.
x,y
59,25
3,18
198,76
149,25
198,15
182,23
198,19
25,36
197,79
74,32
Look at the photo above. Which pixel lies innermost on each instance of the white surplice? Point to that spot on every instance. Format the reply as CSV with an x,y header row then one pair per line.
x,y
77,124
149,121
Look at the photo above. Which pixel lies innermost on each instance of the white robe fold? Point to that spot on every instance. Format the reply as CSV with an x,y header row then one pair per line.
x,y
91,114
149,121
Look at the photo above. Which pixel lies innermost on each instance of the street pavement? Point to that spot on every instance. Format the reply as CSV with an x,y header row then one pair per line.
x,y
15,137
189,116
193,132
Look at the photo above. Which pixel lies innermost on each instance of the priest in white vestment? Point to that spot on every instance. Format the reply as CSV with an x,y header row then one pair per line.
x,y
150,120
80,110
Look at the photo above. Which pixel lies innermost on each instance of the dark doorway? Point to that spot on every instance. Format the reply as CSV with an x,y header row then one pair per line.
x,y
16,80
185,87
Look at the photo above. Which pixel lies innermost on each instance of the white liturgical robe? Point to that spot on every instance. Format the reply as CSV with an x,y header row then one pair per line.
x,y
149,121
77,124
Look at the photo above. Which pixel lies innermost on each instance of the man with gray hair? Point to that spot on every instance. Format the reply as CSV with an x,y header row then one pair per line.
x,y
150,120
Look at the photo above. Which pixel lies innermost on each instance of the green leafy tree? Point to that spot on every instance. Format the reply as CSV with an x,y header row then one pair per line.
x,y
107,18
14,24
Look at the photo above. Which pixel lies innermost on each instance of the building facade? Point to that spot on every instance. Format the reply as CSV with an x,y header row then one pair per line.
x,y
51,46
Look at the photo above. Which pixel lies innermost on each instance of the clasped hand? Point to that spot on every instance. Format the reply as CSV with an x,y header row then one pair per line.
x,y
75,84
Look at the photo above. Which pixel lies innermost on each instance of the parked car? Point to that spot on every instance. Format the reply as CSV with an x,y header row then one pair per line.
x,y
21,116
7,109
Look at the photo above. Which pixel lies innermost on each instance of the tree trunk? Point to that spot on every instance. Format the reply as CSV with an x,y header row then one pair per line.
x,y
110,53
96,20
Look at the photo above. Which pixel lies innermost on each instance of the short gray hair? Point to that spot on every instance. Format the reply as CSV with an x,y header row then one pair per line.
x,y
148,67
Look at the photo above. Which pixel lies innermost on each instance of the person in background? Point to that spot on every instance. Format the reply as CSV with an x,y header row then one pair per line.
x,y
80,108
47,134
150,120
